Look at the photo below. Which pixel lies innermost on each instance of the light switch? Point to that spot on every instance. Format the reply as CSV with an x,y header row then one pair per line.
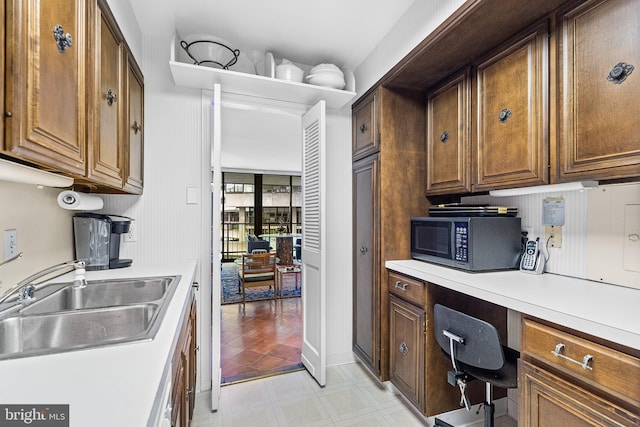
x,y
192,196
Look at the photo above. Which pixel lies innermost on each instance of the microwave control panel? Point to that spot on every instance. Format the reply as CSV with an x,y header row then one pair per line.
x,y
461,237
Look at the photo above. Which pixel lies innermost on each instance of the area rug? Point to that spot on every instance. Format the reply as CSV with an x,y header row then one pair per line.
x,y
232,295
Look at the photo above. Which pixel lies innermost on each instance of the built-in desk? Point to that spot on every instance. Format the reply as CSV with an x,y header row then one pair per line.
x,y
606,311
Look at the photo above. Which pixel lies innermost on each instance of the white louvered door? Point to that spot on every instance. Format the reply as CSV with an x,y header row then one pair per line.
x,y
313,242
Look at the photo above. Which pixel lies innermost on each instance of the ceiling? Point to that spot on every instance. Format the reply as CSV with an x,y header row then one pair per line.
x,y
342,32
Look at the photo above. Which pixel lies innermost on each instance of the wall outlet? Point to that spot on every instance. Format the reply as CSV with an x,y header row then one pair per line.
x,y
553,236
10,244
132,235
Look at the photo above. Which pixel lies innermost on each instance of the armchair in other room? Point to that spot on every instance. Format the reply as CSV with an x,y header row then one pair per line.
x,y
257,270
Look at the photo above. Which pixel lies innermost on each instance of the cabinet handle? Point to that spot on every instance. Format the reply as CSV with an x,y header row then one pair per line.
x,y
111,96
404,349
401,286
586,360
62,40
363,128
444,137
504,115
136,127
363,250
619,72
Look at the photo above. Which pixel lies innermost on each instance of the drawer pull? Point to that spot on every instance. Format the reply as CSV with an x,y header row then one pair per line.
x,y
401,286
586,360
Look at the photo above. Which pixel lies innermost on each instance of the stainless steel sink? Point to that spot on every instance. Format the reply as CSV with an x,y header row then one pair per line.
x,y
49,333
105,312
103,293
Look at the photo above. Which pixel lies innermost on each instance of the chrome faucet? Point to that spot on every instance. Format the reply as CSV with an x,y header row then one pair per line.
x,y
26,288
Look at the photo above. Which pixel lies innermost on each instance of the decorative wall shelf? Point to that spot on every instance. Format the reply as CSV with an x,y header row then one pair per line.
x,y
199,77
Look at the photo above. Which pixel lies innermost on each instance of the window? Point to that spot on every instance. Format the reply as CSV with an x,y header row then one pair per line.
x,y
278,207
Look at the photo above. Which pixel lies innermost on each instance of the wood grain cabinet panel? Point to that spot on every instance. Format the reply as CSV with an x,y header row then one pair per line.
x,y
599,95
511,109
407,349
448,136
106,157
366,292
366,136
45,121
134,129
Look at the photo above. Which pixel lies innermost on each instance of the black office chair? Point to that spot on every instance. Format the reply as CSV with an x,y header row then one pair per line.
x,y
476,353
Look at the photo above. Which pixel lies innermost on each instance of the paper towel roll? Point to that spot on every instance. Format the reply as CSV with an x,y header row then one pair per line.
x,y
73,200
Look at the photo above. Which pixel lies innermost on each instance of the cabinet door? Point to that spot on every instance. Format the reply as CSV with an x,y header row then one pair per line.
x,y
45,83
106,162
548,400
407,348
512,109
448,132
599,97
366,137
366,286
134,130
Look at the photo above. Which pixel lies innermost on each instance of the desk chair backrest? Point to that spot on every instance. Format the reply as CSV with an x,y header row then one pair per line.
x,y
474,342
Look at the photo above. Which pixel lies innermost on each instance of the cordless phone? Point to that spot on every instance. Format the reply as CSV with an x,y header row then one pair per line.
x,y
532,259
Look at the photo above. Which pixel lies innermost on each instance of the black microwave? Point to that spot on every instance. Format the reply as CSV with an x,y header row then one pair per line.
x,y
469,243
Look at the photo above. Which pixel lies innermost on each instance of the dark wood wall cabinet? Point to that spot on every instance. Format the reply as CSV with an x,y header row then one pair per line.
x,y
68,93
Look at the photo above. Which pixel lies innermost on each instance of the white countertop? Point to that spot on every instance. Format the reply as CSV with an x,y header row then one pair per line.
x,y
108,386
603,310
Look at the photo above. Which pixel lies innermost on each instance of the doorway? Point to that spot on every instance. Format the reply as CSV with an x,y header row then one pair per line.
x,y
263,336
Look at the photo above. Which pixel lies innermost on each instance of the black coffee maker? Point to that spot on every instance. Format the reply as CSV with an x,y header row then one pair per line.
x,y
97,240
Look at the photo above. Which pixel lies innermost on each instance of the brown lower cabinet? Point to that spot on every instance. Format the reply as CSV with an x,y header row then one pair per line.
x,y
184,372
417,365
599,386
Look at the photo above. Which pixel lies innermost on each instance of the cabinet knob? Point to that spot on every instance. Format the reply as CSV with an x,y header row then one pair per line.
x,y
444,137
363,128
136,127
404,349
111,96
620,72
62,40
504,115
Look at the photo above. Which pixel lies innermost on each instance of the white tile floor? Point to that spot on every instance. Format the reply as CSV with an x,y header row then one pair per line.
x,y
350,398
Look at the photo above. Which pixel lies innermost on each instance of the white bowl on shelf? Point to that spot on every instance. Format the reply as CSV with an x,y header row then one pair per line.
x,y
289,72
327,78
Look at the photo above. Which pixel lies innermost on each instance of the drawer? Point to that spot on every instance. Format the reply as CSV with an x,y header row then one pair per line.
x,y
607,369
407,288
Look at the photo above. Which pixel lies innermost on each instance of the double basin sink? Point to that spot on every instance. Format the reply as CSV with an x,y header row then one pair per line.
x,y
104,312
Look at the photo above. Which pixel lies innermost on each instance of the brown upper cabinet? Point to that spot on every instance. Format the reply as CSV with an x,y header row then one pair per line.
x,y
366,135
511,129
66,79
448,136
45,107
134,131
599,96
